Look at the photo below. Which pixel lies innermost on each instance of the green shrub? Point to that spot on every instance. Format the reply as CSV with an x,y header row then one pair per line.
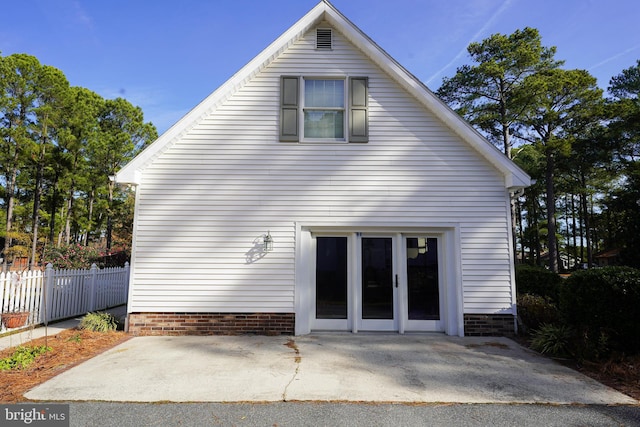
x,y
99,322
74,256
534,310
554,340
538,281
592,346
22,357
604,306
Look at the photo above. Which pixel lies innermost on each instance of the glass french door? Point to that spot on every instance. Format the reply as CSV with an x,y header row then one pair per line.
x,y
423,295
378,285
388,283
332,283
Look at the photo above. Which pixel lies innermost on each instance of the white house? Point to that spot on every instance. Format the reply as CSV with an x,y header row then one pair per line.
x,y
323,187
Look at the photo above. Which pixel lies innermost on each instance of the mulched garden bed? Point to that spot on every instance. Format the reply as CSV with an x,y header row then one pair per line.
x,y
68,348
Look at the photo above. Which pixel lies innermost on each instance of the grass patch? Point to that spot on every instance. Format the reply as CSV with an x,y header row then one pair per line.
x,y
552,340
99,322
75,338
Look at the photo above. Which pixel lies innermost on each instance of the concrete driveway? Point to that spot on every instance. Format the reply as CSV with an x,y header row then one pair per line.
x,y
325,367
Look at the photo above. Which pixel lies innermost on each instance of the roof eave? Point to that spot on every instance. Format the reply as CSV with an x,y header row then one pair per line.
x,y
131,173
515,177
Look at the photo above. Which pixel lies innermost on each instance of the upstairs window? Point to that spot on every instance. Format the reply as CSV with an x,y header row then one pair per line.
x,y
323,109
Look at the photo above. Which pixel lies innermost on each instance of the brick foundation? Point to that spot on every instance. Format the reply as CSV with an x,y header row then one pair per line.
x,y
211,323
489,325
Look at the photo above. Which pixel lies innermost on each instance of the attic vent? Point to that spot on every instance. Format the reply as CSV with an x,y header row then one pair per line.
x,y
323,38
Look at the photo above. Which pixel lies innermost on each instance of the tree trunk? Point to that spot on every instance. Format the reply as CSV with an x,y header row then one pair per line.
x,y
594,235
11,189
514,226
110,216
587,229
70,203
536,223
54,199
575,227
67,224
587,223
92,196
581,223
61,233
36,212
506,139
568,250
522,249
551,212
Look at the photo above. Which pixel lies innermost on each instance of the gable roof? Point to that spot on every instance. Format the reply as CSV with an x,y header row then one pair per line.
x,y
515,178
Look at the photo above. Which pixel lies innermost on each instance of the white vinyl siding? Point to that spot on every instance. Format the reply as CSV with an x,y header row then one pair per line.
x,y
204,203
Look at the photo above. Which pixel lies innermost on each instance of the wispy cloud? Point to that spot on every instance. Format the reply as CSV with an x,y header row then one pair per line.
x,y
81,15
614,57
504,6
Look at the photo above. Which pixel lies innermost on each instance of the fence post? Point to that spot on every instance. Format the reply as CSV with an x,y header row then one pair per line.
x,y
47,298
125,297
93,287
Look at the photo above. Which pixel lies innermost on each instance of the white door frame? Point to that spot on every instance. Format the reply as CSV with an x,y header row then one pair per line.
x,y
376,324
449,265
422,325
331,324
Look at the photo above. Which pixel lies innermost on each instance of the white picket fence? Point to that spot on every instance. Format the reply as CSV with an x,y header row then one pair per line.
x,y
60,294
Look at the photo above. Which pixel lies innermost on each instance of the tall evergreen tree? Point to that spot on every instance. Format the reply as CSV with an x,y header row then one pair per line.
x,y
564,101
531,223
123,133
19,75
623,204
490,94
82,130
52,95
58,144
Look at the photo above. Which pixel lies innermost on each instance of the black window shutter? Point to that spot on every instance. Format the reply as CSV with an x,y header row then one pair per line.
x,y
289,100
358,113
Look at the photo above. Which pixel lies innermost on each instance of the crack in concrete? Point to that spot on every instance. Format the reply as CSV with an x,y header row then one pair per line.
x,y
297,359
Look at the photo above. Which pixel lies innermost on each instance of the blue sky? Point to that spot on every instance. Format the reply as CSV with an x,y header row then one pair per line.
x,y
166,56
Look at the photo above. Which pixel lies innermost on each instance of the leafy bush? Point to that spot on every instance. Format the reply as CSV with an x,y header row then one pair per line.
x,y
604,306
538,281
22,357
73,256
99,322
592,346
534,310
554,340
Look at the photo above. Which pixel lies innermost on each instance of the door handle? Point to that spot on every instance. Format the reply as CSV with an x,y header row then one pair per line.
x,y
396,280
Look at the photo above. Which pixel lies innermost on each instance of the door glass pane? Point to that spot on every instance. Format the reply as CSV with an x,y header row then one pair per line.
x,y
377,278
331,278
422,272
